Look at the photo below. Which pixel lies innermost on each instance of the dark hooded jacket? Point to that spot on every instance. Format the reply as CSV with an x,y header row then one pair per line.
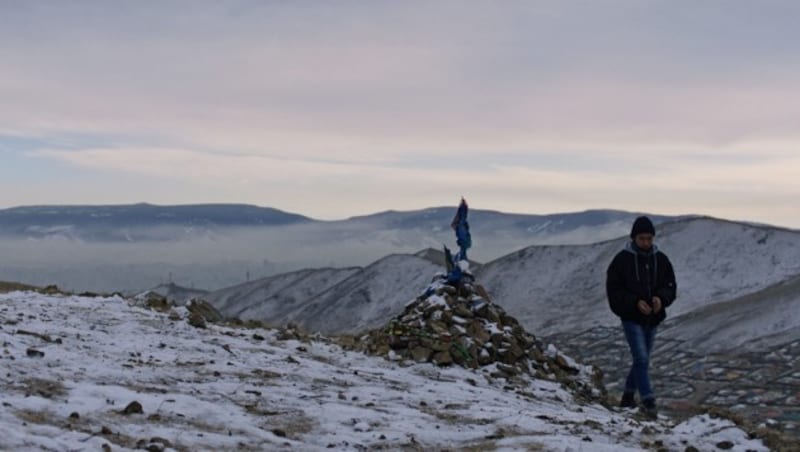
x,y
640,275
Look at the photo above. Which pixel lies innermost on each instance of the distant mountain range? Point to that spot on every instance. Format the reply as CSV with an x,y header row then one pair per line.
x,y
128,223
133,247
136,222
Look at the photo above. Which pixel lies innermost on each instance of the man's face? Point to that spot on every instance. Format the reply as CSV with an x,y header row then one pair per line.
x,y
644,241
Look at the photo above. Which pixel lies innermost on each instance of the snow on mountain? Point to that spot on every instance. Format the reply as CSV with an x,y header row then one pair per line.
x,y
330,300
558,289
752,322
495,233
550,289
718,260
369,297
276,297
97,373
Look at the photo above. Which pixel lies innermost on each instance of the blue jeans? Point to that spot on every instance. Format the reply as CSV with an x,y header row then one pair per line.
x,y
640,340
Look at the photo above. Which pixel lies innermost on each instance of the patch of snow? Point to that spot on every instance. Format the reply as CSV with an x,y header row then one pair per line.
x,y
224,388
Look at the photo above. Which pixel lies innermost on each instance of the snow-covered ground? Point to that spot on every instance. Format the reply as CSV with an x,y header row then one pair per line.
x,y
71,366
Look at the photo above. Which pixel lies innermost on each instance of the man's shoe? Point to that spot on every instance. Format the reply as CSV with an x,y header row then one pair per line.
x,y
627,400
649,409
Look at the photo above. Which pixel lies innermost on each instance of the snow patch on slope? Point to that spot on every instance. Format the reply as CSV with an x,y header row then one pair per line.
x,y
232,389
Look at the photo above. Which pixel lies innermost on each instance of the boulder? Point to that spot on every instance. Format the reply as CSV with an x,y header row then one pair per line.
x,y
204,309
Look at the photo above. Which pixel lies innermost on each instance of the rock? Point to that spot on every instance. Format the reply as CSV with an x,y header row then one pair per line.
x,y
476,330
536,354
205,309
441,345
562,363
162,441
463,311
497,339
725,445
34,353
398,342
197,320
443,359
52,289
133,408
439,327
174,316
510,370
157,302
421,354
516,351
74,415
691,449
492,314
506,356
279,432
106,431
459,356
485,357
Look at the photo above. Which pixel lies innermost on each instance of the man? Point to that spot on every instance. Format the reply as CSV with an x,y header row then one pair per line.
x,y
640,284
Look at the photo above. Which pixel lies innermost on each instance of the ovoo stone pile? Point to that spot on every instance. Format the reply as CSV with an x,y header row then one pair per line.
x,y
460,325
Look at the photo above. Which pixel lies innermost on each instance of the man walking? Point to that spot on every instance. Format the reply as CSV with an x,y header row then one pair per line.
x,y
640,284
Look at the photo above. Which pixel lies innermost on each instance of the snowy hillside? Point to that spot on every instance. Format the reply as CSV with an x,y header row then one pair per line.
x,y
276,297
371,296
98,374
330,300
562,288
550,289
498,232
752,322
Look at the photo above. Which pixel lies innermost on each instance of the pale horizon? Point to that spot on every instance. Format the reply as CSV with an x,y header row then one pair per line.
x,y
345,109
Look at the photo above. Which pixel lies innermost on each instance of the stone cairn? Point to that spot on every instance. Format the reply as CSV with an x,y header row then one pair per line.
x,y
200,312
460,325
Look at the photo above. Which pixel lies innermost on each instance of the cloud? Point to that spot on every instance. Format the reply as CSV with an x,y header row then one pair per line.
x,y
569,104
362,79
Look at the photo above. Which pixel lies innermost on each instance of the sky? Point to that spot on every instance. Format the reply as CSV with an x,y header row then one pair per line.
x,y
334,109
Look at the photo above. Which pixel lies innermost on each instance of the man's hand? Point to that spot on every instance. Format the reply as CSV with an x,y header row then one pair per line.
x,y
644,308
656,304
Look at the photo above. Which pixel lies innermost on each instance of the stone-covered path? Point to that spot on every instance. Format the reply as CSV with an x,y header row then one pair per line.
x,y
763,387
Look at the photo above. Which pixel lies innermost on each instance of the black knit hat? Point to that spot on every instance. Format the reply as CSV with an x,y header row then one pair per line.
x,y
642,225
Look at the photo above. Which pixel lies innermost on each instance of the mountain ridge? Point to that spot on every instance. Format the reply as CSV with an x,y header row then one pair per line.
x,y
535,281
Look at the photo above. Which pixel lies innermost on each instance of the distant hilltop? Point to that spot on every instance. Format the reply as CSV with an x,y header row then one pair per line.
x,y
138,222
